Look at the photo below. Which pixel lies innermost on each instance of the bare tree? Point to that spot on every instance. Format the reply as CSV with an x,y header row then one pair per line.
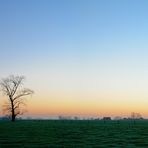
x,y
12,87
136,116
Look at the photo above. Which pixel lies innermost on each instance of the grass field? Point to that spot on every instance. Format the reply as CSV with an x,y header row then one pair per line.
x,y
73,134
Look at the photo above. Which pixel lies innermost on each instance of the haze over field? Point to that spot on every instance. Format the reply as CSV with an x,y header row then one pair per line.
x,y
81,57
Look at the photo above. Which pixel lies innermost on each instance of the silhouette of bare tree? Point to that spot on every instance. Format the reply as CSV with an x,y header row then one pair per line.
x,y
12,87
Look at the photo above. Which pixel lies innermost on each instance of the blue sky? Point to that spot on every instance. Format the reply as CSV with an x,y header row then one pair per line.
x,y
83,45
72,30
76,24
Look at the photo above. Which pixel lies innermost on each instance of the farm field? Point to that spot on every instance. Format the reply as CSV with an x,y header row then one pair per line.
x,y
73,134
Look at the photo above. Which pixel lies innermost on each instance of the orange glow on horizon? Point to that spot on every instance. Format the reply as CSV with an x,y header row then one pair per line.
x,y
76,103
81,105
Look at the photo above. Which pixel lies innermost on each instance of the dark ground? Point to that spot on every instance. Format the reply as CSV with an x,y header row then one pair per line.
x,y
73,134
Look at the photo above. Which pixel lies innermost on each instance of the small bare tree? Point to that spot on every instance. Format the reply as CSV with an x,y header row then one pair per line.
x,y
136,115
12,87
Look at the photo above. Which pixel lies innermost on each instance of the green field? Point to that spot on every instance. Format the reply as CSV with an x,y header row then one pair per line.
x,y
73,134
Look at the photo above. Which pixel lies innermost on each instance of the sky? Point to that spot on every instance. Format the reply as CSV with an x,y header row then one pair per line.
x,y
81,57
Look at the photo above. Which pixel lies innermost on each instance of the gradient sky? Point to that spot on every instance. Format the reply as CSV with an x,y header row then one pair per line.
x,y
81,57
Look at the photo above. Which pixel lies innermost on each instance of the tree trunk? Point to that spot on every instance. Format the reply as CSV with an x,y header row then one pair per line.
x,y
13,112
13,118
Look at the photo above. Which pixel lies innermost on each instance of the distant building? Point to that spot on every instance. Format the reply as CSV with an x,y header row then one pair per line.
x,y
106,118
76,118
